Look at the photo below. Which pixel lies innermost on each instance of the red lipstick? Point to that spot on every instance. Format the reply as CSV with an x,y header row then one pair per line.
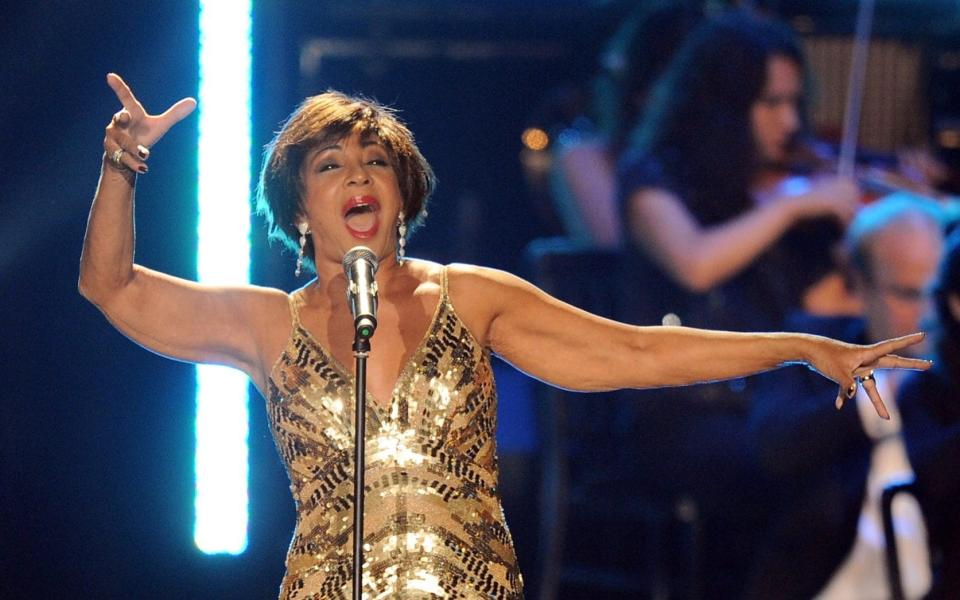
x,y
360,216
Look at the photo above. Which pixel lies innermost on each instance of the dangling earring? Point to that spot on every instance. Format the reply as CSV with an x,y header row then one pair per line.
x,y
303,229
401,236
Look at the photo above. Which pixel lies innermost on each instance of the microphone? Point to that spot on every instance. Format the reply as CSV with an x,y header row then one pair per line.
x,y
360,265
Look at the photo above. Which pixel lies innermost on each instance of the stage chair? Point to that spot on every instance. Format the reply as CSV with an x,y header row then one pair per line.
x,y
584,493
889,534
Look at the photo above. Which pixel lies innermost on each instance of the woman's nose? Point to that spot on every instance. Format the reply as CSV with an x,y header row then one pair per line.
x,y
790,119
357,176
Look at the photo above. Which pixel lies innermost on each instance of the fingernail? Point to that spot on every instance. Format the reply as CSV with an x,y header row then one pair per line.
x,y
839,403
142,168
143,152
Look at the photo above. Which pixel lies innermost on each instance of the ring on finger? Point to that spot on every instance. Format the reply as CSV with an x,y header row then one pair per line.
x,y
868,377
117,158
852,390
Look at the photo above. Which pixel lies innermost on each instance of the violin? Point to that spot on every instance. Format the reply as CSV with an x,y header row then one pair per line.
x,y
912,170
877,174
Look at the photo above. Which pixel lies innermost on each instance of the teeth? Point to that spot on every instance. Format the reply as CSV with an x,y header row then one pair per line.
x,y
359,209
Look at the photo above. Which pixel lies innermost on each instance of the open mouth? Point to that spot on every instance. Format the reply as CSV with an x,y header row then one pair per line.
x,y
360,216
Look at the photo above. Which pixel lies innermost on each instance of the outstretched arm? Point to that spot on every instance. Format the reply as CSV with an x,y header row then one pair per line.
x,y
573,349
168,315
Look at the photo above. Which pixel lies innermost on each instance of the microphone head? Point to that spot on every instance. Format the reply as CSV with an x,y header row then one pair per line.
x,y
359,253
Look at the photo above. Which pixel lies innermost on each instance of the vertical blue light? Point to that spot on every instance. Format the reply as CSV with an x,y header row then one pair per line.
x,y
223,258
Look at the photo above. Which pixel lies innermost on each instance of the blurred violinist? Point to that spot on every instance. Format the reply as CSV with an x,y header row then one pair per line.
x,y
715,223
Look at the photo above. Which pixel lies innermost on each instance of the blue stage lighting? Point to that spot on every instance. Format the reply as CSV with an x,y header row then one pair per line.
x,y
223,258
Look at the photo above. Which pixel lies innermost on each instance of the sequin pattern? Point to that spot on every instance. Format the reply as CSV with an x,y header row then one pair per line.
x,y
433,523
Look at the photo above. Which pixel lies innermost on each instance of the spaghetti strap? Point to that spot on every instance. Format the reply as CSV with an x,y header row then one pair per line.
x,y
296,300
444,297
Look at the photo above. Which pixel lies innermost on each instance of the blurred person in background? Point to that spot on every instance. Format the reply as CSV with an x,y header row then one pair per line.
x,y
725,225
825,537
584,154
930,409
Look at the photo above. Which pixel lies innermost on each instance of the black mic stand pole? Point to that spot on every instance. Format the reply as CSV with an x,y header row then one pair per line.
x,y
361,349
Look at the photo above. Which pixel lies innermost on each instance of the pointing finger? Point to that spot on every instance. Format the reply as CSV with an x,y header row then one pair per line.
x,y
173,115
891,346
892,361
124,95
870,387
846,392
179,111
839,401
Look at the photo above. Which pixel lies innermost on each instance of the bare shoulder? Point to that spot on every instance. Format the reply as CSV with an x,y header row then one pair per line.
x,y
480,294
474,278
266,307
420,279
463,280
427,275
268,311
653,197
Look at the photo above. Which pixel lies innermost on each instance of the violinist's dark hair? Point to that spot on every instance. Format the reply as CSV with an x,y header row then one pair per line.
x,y
698,120
637,55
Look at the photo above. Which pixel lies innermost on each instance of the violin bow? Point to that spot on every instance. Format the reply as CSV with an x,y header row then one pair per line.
x,y
858,70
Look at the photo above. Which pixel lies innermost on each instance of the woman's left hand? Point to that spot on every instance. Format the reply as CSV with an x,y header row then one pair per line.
x,y
133,131
850,365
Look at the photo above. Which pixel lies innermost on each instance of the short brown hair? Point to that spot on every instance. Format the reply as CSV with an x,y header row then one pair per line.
x,y
322,119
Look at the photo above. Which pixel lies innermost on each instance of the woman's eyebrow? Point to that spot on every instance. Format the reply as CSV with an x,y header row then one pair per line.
x,y
330,147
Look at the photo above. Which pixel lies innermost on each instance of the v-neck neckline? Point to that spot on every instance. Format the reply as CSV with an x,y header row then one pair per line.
x,y
349,375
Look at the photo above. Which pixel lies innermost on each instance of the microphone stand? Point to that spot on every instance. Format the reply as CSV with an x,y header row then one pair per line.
x,y
360,266
361,349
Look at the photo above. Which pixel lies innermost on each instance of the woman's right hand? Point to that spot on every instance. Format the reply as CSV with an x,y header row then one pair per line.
x,y
135,131
830,196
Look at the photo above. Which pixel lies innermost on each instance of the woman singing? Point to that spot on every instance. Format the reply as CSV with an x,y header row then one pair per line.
x,y
342,172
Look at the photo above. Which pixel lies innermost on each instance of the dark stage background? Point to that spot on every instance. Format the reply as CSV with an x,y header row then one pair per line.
x,y
96,434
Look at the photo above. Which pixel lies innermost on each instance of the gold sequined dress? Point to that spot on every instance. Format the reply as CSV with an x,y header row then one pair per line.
x,y
433,523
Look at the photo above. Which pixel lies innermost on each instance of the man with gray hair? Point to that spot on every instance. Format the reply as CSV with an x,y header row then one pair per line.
x,y
828,470
894,247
